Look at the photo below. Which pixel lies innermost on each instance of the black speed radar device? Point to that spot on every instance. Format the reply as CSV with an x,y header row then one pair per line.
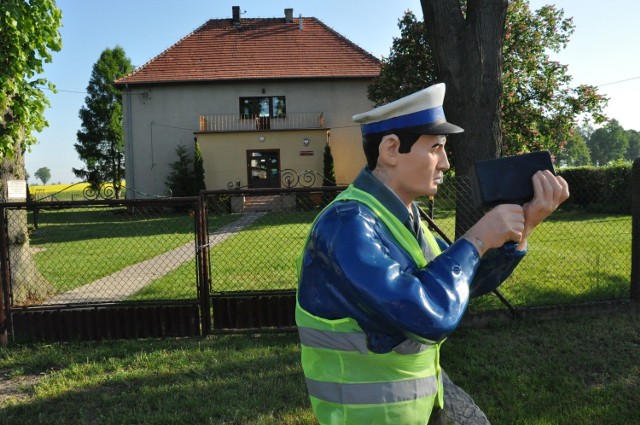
x,y
507,180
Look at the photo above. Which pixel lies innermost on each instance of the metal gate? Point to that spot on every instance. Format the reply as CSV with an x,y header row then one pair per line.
x,y
249,264
90,270
228,281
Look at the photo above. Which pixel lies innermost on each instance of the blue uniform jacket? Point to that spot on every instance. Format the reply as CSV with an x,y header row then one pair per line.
x,y
353,267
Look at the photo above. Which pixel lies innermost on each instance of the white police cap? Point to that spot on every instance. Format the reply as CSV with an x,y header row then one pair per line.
x,y
420,112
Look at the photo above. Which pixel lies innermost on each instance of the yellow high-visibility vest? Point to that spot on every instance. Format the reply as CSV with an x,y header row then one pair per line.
x,y
347,383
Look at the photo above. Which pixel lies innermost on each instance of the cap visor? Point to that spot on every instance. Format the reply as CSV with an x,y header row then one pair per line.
x,y
437,128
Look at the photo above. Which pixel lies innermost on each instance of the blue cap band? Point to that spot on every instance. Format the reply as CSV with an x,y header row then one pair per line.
x,y
414,119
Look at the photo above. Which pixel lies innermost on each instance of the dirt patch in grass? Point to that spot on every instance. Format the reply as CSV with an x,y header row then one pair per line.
x,y
17,387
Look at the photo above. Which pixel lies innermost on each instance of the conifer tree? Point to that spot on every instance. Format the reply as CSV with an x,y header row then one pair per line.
x,y
100,141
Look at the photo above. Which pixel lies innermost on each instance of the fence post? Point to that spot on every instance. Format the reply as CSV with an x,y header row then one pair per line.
x,y
635,230
202,260
5,278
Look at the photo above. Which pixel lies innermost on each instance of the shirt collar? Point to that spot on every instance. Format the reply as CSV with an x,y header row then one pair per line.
x,y
369,183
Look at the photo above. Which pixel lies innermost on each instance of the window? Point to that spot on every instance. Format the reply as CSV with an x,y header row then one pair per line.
x,y
263,107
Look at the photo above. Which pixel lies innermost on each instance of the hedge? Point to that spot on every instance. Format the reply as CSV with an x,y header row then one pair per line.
x,y
595,189
599,189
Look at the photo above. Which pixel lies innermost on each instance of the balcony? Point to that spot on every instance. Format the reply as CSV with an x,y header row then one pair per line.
x,y
225,123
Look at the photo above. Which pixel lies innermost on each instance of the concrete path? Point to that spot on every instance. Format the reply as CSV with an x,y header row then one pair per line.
x,y
126,282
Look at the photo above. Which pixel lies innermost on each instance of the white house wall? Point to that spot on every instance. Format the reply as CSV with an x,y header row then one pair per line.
x,y
157,119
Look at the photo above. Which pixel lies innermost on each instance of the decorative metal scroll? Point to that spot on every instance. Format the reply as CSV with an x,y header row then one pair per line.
x,y
236,185
307,178
103,192
290,178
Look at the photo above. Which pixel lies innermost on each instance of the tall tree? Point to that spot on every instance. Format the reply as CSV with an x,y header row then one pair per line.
x,y
28,35
633,151
198,170
538,106
468,40
575,152
609,143
328,171
181,180
100,141
410,65
467,43
44,174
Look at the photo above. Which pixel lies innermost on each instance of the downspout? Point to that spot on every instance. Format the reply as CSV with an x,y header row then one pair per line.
x,y
129,161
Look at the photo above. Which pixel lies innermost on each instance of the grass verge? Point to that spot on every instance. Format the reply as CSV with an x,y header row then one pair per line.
x,y
582,369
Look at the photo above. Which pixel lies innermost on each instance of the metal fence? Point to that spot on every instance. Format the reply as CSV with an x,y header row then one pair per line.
x,y
96,253
99,269
230,255
582,253
578,255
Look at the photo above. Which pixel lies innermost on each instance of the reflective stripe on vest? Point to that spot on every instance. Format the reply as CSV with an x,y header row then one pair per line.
x,y
347,383
373,393
351,341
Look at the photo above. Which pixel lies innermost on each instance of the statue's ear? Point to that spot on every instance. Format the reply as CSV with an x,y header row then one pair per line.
x,y
389,150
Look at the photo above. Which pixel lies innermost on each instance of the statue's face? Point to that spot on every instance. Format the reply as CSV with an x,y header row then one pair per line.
x,y
420,171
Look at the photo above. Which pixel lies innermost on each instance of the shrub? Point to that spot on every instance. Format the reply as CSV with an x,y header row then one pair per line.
x,y
181,178
600,189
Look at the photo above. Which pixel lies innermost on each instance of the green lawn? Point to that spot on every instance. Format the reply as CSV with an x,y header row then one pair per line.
x,y
178,284
572,370
573,256
271,244
76,247
262,256
581,369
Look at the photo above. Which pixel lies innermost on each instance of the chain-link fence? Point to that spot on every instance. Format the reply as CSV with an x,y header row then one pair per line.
x,y
582,253
79,253
94,253
257,251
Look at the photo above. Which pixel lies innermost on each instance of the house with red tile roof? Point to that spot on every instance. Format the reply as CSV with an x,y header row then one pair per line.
x,y
262,97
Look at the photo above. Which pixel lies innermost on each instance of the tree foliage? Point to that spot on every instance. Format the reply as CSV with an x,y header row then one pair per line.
x,y
539,108
28,35
198,171
633,150
328,171
410,65
100,140
608,144
575,153
44,174
180,180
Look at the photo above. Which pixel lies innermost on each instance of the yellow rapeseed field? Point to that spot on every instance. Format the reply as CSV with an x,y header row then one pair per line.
x,y
54,188
69,191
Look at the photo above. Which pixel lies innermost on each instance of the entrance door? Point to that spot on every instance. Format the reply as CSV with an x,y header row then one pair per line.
x,y
263,168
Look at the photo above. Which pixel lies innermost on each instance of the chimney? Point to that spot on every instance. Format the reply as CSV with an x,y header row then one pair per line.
x,y
235,11
288,15
300,21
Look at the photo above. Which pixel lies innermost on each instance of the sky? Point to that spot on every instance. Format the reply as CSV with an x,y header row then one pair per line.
x,y
603,50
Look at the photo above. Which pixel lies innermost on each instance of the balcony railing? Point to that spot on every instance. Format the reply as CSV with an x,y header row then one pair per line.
x,y
234,122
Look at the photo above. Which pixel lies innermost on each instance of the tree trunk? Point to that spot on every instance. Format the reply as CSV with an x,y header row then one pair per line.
x,y
468,52
28,286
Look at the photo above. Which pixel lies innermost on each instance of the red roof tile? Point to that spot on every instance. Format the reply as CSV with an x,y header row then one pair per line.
x,y
257,49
